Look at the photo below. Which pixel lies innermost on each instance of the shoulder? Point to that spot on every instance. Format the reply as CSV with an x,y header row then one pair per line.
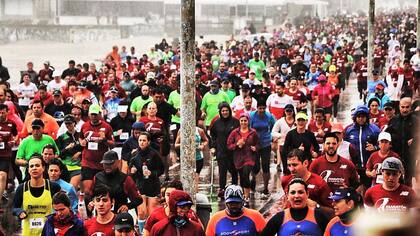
x,y
55,188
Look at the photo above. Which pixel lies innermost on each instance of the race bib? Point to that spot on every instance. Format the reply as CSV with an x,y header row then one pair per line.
x,y
93,146
364,74
24,102
1,145
172,127
124,136
36,223
379,179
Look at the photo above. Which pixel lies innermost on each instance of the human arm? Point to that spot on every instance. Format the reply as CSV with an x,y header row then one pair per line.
x,y
273,225
132,192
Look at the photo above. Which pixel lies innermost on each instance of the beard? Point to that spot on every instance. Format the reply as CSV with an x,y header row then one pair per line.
x,y
331,152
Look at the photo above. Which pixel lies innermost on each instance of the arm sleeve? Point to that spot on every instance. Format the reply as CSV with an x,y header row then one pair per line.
x,y
231,141
273,225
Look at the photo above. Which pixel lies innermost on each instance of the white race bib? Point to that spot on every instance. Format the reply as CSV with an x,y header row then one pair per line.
x,y
364,74
124,136
92,146
379,179
172,127
1,145
36,223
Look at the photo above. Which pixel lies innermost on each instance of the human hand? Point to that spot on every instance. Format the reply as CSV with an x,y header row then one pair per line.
x,y
123,208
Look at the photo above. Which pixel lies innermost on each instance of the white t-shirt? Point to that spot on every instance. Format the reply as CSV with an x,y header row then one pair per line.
x,y
53,85
28,92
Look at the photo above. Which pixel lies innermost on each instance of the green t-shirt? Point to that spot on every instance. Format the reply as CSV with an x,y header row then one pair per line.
x,y
174,99
30,146
210,104
258,67
138,104
215,62
231,94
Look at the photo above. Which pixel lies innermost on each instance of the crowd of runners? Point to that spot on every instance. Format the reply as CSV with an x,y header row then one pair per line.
x,y
89,144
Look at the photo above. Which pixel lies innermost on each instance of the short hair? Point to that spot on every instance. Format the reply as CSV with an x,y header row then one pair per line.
x,y
38,101
57,162
4,106
101,190
61,197
320,110
49,146
176,184
330,135
42,87
297,153
147,134
298,181
281,84
37,156
72,62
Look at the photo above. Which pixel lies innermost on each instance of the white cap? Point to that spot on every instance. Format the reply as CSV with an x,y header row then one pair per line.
x,y
56,73
384,136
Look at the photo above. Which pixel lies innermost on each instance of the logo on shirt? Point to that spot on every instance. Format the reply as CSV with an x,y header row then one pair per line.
x,y
343,167
326,174
404,193
384,205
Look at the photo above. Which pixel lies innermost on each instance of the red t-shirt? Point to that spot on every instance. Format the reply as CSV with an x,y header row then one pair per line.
x,y
93,228
7,131
338,174
399,200
375,163
295,96
326,127
318,189
152,126
375,118
94,150
157,215
323,94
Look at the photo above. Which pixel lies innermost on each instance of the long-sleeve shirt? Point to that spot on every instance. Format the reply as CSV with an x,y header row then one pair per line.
x,y
294,140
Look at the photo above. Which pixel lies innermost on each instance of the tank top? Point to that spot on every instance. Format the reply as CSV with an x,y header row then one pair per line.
x,y
307,226
36,208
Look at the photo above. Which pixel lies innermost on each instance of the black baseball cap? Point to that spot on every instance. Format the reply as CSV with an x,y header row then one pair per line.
x,y
389,104
37,123
246,87
123,221
57,93
289,107
109,157
86,101
69,119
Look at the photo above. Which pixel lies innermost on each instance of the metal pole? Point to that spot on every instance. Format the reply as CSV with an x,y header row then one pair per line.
x,y
371,21
418,24
188,124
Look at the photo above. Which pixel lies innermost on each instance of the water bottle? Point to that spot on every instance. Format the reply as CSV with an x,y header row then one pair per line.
x,y
82,207
144,168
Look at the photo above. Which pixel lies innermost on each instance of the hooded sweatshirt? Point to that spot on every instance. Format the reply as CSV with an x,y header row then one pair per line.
x,y
166,227
220,130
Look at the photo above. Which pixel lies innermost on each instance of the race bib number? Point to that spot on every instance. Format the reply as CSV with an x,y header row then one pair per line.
x,y
36,223
379,179
124,136
1,145
93,146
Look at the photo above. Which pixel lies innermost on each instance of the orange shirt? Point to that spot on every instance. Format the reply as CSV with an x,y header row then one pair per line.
x,y
50,126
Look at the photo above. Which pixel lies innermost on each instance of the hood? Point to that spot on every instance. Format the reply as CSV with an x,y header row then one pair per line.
x,y
175,197
222,105
361,109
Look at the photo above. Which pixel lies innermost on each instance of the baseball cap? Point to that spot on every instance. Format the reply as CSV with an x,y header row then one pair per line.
x,y
322,78
389,104
184,203
392,163
344,193
301,115
284,66
109,157
69,119
252,71
82,84
138,125
337,128
246,87
46,63
122,108
37,123
214,83
123,221
289,107
375,72
150,75
126,74
225,81
94,109
379,86
384,136
57,93
113,89
332,68
86,101
234,193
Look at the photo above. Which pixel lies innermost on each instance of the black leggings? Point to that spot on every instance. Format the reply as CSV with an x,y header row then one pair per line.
x,y
335,104
226,164
263,156
244,174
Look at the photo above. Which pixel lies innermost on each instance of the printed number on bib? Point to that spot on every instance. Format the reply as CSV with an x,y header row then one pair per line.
x,y
37,223
92,146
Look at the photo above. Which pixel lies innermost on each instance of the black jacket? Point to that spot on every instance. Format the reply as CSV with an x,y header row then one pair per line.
x,y
4,72
220,130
